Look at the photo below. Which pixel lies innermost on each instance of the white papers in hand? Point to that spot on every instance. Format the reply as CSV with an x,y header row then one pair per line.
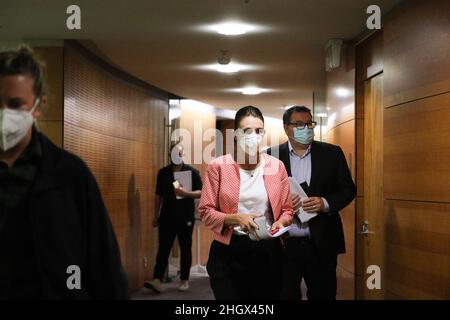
x,y
185,179
264,231
296,188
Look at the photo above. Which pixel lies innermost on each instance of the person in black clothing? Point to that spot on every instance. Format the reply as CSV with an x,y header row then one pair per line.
x,y
175,218
56,239
321,169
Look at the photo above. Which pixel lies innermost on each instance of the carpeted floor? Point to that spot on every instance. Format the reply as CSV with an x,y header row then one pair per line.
x,y
199,290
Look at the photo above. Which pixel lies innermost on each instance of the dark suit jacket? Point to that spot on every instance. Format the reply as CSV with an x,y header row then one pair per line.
x,y
332,180
71,226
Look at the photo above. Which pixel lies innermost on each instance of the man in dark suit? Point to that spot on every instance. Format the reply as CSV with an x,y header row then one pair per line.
x,y
310,252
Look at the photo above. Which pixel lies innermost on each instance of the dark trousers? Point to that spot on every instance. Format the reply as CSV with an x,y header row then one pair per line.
x,y
245,269
167,232
301,261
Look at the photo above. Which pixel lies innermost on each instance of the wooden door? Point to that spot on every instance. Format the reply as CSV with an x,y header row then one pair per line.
x,y
370,224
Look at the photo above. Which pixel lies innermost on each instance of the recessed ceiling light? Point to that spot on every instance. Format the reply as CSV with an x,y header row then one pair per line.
x,y
251,91
343,92
232,29
227,68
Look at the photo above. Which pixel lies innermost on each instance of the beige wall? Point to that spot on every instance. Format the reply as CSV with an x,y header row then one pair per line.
x,y
193,117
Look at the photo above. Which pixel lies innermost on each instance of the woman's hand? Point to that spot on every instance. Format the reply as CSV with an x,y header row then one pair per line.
x,y
277,225
246,221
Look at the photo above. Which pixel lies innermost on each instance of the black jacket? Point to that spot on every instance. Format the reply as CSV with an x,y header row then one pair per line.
x,y
332,180
71,226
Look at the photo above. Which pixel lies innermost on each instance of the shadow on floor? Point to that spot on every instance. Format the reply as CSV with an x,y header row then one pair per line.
x,y
199,290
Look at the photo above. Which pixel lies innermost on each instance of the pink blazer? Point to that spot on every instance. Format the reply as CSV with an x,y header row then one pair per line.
x,y
220,193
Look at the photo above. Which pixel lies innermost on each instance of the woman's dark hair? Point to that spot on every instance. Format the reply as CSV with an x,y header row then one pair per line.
x,y
288,113
24,62
245,112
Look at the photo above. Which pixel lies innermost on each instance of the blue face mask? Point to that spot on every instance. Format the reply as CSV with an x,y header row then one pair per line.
x,y
304,136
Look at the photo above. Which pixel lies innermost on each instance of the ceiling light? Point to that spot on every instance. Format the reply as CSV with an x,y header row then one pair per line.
x,y
224,63
343,92
232,29
251,91
227,68
322,115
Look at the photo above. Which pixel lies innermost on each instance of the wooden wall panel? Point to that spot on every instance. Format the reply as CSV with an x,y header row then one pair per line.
x,y
371,55
418,251
347,260
118,130
359,157
226,144
51,122
417,51
417,150
344,136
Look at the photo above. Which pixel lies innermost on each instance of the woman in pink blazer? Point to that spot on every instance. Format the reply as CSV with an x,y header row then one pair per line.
x,y
238,189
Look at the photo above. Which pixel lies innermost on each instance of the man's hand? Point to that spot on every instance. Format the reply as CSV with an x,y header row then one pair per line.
x,y
180,192
313,205
296,202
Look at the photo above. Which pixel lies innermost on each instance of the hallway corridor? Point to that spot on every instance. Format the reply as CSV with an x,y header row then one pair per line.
x,y
143,133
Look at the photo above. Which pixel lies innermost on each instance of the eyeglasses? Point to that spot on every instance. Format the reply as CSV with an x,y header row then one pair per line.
x,y
301,125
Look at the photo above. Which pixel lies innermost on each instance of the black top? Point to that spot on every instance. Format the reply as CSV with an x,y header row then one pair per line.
x,y
69,226
332,180
173,209
18,266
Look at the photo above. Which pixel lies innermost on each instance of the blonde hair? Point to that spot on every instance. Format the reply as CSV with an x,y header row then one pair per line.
x,y
24,61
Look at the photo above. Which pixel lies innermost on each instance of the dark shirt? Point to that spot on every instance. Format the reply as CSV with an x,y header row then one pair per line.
x,y
173,209
18,262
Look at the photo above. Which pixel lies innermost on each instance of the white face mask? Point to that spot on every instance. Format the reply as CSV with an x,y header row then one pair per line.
x,y
250,143
176,159
14,125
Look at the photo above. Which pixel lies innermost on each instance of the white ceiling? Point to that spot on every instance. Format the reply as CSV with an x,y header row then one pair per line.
x,y
162,42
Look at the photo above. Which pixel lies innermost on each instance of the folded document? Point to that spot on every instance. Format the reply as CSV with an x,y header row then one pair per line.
x,y
264,231
296,188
